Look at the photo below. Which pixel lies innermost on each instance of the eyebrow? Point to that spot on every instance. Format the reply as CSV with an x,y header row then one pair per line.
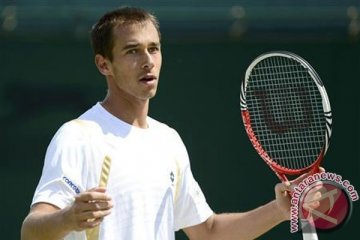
x,y
135,45
130,46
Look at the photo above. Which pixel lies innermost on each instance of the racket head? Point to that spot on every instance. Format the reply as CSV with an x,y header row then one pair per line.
x,y
286,112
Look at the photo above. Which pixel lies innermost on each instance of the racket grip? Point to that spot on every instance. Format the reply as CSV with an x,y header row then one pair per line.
x,y
308,230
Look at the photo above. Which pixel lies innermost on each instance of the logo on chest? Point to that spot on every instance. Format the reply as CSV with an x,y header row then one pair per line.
x,y
172,178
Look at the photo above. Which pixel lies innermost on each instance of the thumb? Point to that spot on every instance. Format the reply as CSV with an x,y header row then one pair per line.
x,y
97,189
283,189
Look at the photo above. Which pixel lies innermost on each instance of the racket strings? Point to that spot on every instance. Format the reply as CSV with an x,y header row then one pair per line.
x,y
286,112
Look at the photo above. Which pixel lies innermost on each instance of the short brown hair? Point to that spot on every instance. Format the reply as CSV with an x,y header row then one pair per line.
x,y
102,32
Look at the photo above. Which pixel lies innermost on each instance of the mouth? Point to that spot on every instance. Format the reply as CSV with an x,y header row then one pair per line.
x,y
148,78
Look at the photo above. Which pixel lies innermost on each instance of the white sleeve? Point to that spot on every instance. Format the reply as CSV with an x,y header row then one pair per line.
x,y
64,171
190,207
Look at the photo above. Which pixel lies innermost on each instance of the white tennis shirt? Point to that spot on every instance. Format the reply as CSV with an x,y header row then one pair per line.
x,y
150,179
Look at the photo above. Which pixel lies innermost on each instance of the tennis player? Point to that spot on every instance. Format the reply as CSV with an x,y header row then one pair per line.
x,y
151,192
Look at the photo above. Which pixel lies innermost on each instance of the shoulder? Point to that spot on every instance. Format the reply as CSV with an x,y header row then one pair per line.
x,y
81,126
76,130
164,128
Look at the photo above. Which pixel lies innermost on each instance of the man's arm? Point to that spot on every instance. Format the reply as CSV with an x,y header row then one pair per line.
x,y
46,221
247,225
251,224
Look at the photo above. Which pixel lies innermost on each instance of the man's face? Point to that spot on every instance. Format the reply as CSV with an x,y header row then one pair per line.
x,y
136,61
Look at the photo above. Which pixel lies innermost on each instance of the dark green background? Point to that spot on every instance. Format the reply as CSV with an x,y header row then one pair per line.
x,y
47,80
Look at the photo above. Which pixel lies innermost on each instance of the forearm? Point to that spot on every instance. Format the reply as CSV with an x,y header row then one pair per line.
x,y
38,225
245,226
46,221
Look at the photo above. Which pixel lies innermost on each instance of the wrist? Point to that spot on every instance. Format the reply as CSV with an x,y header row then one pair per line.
x,y
279,213
65,220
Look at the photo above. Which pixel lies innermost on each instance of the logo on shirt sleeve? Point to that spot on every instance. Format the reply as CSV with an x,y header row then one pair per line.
x,y
71,184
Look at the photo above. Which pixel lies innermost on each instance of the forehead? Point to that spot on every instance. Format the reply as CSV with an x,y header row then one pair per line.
x,y
143,32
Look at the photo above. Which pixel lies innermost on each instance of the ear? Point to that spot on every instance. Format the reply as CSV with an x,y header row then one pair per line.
x,y
103,64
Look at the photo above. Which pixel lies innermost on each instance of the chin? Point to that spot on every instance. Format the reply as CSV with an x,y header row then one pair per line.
x,y
151,94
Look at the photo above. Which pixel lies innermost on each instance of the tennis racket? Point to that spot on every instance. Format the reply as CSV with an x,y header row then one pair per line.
x,y
286,114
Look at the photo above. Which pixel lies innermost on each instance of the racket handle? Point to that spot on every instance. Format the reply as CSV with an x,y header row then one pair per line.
x,y
308,230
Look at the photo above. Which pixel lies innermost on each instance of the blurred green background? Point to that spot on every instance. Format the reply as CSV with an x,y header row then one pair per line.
x,y
48,77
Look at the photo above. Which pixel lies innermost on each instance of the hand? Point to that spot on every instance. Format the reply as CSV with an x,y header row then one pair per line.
x,y
282,193
88,209
313,197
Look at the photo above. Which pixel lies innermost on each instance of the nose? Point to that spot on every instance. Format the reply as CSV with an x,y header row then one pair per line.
x,y
148,61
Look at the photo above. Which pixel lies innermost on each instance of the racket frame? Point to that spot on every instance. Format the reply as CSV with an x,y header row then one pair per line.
x,y
281,171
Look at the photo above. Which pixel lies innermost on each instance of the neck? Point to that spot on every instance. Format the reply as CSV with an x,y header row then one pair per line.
x,y
132,112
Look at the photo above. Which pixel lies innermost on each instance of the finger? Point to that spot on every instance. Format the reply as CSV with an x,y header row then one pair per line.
x,y
312,201
317,187
90,223
97,189
97,206
91,215
282,188
81,207
317,170
92,196
300,178
311,205
312,197
91,193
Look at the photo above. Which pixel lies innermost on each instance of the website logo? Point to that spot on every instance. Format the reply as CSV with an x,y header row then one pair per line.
x,y
323,200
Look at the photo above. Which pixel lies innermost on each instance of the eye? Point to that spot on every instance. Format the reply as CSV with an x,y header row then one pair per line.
x,y
154,49
131,51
